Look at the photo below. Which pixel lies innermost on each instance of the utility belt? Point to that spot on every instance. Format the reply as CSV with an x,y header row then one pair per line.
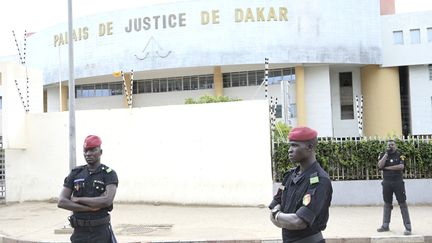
x,y
311,239
74,222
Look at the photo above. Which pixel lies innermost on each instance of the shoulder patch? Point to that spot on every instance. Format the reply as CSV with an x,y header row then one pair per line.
x,y
402,157
108,170
314,178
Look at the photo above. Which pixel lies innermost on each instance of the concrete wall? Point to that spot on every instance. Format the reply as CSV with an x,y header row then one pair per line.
x,y
318,100
369,192
344,128
407,53
316,34
420,99
192,154
104,102
13,113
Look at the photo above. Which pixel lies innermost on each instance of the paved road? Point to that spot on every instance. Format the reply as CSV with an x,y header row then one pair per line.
x,y
37,221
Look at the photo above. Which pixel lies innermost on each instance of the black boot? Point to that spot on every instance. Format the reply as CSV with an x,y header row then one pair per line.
x,y
386,218
405,218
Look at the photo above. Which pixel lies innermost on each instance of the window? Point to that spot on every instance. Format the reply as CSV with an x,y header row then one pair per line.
x,y
346,96
155,85
194,82
292,110
102,90
187,83
88,90
116,88
256,77
430,72
415,36
175,84
398,37
235,79
429,34
226,77
143,86
163,85
205,81
278,111
260,77
288,74
252,79
275,76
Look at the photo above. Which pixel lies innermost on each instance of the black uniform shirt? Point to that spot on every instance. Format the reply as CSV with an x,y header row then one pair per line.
x,y
393,159
308,195
91,184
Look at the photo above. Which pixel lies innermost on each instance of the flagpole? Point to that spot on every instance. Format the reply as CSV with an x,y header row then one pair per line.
x,y
71,84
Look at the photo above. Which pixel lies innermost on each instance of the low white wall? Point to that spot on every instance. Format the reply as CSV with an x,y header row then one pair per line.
x,y
13,113
188,154
369,192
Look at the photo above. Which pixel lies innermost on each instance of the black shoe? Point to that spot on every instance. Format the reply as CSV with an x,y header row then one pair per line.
x,y
407,232
383,229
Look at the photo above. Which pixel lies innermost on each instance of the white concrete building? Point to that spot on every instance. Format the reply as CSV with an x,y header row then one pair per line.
x,y
329,52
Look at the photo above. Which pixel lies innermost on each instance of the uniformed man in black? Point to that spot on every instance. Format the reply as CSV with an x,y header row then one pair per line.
x,y
89,192
392,165
301,205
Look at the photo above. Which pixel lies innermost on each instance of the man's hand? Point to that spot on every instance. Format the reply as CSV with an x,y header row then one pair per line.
x,y
273,213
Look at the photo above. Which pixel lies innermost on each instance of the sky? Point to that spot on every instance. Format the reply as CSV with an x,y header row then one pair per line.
x,y
34,16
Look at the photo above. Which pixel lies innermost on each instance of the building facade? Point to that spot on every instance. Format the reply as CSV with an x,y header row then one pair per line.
x,y
323,57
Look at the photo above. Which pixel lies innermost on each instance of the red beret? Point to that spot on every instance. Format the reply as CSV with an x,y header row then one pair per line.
x,y
302,134
92,141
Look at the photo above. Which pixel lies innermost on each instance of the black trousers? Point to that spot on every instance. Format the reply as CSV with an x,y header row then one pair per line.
x,y
391,187
97,234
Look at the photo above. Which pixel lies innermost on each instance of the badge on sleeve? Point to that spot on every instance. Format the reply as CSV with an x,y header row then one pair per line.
x,y
306,199
313,180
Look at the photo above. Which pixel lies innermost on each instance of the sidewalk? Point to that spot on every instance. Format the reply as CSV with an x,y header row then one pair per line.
x,y
37,221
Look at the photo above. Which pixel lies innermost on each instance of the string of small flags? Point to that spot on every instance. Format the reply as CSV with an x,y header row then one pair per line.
x,y
21,96
128,94
273,112
22,57
359,105
131,89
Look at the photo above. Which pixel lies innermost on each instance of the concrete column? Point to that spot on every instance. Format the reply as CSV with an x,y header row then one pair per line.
x,y
381,101
218,81
300,96
64,98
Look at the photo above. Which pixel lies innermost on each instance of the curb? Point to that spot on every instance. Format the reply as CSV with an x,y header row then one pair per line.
x,y
400,239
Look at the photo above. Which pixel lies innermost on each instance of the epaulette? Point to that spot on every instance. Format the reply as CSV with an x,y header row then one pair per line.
x,y
106,169
313,178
